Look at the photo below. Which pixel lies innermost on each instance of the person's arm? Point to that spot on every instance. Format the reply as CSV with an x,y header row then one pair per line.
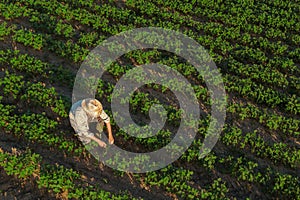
x,y
110,136
106,119
100,142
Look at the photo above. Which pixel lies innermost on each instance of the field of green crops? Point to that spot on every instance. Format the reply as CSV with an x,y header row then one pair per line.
x,y
256,47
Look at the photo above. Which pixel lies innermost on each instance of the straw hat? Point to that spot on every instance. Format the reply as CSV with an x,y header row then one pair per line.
x,y
92,106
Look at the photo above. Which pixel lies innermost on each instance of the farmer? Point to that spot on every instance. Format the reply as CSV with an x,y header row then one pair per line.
x,y
82,114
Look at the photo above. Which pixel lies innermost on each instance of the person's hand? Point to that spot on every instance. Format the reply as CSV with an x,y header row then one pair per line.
x,y
111,140
102,144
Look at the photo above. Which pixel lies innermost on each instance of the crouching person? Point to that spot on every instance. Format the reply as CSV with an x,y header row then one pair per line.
x,y
82,114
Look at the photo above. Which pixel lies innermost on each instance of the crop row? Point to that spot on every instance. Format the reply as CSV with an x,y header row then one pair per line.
x,y
277,152
64,11
263,74
33,94
244,168
249,89
175,180
126,15
286,125
25,120
245,87
56,179
32,67
258,73
245,16
253,141
66,182
216,30
249,171
24,63
36,128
